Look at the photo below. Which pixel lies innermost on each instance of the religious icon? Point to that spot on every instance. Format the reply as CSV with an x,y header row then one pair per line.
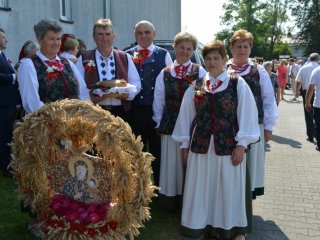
x,y
81,183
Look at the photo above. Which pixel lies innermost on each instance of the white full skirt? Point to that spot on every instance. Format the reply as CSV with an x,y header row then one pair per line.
x,y
214,192
256,161
171,168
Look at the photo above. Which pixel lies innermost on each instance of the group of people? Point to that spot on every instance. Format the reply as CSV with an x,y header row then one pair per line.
x,y
303,82
206,127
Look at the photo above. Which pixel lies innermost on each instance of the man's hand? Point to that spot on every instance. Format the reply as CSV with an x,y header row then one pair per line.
x,y
237,155
96,98
267,135
307,107
122,96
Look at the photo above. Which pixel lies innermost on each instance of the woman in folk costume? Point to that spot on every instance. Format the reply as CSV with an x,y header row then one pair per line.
x,y
69,47
259,82
170,86
45,77
216,123
28,49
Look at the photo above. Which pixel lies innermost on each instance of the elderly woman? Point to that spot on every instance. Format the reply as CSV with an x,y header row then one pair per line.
x,y
217,121
170,86
45,77
260,84
69,47
274,80
28,49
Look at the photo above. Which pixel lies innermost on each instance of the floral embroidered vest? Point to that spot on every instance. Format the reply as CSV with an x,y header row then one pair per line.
x,y
65,85
121,66
174,91
217,115
253,80
148,73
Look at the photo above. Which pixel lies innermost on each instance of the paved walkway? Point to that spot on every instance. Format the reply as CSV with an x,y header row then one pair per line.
x,y
290,208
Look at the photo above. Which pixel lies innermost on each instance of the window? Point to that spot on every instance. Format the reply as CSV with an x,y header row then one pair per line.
x,y
65,10
4,5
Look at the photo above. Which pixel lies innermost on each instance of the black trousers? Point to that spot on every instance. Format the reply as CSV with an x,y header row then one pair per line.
x,y
308,116
7,116
142,124
316,116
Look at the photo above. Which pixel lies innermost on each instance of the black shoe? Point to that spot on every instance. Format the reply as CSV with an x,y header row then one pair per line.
x,y
318,149
310,139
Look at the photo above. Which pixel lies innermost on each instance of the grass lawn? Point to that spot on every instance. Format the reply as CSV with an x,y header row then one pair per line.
x,y
163,225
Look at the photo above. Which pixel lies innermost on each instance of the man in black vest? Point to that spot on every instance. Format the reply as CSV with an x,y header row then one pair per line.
x,y
149,61
9,97
107,63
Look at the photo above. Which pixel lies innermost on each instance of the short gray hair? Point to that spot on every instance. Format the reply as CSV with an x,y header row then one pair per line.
x,y
267,64
144,22
31,47
314,57
45,25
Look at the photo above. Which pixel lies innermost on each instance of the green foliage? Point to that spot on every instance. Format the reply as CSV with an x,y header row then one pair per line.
x,y
307,18
13,223
264,19
282,49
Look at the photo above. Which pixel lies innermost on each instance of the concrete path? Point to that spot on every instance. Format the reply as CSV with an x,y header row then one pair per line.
x,y
290,208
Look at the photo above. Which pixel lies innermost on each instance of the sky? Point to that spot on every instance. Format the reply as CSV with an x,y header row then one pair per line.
x,y
202,18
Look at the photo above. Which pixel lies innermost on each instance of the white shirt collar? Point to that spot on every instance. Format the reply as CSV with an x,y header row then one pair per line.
x,y
150,48
222,77
175,63
44,58
248,62
99,55
67,55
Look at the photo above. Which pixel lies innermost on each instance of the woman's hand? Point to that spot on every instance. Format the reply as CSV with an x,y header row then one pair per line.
x,y
237,155
185,153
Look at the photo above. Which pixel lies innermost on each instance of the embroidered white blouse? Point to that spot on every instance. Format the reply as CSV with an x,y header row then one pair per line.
x,y
247,113
133,77
159,91
29,85
270,108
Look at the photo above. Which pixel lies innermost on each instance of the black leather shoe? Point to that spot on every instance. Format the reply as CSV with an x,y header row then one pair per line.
x,y
310,139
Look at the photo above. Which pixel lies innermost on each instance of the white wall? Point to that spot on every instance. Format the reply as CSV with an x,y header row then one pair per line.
x,y
18,23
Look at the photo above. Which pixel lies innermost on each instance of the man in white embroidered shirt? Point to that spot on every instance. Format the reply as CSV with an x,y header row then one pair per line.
x,y
105,63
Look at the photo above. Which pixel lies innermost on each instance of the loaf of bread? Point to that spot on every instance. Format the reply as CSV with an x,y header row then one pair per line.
x,y
113,83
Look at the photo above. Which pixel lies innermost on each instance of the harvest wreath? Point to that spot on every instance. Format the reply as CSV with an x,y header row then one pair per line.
x,y
83,172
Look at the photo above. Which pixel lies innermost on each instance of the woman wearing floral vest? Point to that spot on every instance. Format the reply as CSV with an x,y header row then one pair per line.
x,y
216,123
44,77
170,86
259,82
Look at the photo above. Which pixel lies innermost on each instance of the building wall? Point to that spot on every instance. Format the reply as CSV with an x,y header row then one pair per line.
x,y
19,21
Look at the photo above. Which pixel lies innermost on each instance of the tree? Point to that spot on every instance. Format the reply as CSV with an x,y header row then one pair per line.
x,y
307,18
264,19
273,18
